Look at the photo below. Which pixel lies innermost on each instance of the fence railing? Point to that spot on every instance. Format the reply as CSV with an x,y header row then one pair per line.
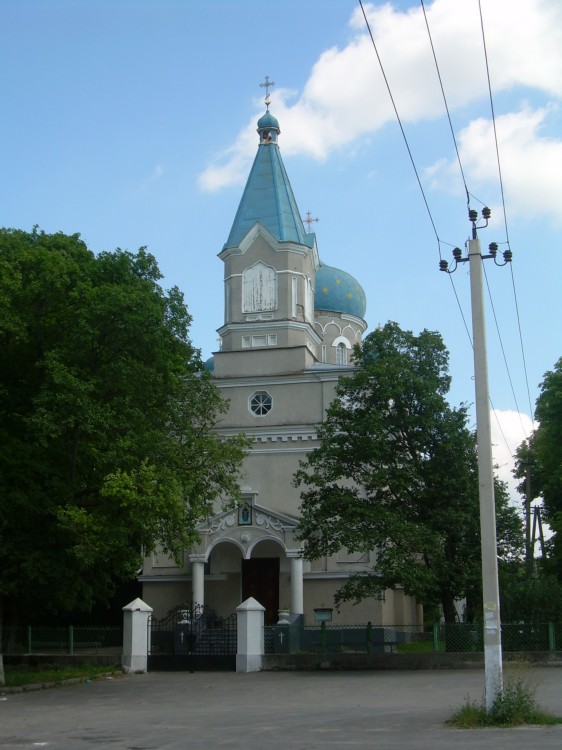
x,y
407,639
40,639
324,638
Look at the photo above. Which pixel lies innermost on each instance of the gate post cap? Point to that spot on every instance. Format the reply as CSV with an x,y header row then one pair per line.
x,y
137,605
250,605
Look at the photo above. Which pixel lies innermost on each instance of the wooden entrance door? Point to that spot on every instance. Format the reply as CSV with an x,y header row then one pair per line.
x,y
260,579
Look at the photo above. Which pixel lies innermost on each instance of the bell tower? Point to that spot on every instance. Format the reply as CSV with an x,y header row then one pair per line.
x,y
270,262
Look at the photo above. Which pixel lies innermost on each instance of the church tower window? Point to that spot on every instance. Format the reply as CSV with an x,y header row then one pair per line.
x,y
260,403
259,288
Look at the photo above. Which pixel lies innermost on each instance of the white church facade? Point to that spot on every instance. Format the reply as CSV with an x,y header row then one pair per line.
x,y
290,324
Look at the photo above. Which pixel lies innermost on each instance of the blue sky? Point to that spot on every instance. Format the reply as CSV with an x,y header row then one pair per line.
x,y
132,122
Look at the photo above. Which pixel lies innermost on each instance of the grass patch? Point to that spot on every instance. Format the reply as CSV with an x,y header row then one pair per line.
x,y
16,677
514,706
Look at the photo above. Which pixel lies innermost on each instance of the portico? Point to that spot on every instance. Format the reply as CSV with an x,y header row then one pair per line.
x,y
247,551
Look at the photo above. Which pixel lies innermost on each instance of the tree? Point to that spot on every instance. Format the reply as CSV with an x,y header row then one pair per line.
x,y
106,417
542,455
396,472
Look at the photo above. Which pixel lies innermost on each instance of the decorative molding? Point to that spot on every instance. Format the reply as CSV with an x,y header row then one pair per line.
x,y
341,340
245,325
276,437
279,246
268,522
259,316
164,579
274,451
222,523
180,578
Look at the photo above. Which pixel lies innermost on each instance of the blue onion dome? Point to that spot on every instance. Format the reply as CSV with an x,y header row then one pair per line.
x,y
338,291
268,121
268,128
209,364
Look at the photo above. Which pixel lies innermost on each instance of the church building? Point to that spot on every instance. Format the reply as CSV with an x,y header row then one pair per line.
x,y
290,323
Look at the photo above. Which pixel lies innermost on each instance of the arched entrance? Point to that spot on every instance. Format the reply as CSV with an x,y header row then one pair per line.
x,y
261,577
248,552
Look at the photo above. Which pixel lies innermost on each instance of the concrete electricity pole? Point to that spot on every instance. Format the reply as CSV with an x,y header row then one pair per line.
x,y
490,587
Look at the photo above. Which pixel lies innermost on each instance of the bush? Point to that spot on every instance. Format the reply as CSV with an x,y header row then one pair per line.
x,y
514,706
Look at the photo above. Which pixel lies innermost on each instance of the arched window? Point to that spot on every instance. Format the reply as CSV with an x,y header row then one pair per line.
x,y
259,288
341,354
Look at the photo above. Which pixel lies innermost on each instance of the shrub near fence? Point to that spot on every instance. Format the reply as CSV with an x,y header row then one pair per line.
x,y
39,639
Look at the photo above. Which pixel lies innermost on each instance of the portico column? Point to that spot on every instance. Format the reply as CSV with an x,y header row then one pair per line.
x,y
297,592
198,582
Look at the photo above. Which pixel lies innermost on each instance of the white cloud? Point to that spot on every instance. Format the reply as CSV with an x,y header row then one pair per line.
x,y
230,167
509,430
531,163
345,98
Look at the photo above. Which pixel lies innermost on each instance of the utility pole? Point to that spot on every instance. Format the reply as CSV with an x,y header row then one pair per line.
x,y
490,586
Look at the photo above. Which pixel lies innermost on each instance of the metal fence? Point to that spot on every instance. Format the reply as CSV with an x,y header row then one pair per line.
x,y
407,639
323,638
41,639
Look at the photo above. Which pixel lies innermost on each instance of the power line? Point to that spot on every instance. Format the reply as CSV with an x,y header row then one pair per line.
x,y
446,105
531,410
503,352
401,127
467,192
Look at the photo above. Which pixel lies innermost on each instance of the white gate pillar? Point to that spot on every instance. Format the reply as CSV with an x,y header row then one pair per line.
x,y
135,636
250,640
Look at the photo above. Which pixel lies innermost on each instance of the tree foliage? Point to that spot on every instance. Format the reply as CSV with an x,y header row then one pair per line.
x,y
529,600
106,417
396,472
543,454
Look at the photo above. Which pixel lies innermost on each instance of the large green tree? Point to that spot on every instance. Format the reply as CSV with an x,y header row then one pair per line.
x,y
543,455
396,472
106,417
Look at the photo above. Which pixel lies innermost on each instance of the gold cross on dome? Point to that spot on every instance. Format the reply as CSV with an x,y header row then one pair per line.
x,y
267,84
309,220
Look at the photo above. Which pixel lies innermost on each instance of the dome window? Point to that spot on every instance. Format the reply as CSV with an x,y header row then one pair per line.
x,y
341,354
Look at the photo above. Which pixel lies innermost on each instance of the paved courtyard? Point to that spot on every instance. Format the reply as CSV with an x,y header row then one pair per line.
x,y
268,711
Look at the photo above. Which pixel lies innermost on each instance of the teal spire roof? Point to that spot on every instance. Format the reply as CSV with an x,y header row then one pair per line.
x,y
338,291
268,196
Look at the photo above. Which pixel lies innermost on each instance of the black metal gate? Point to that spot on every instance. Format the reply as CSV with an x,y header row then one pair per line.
x,y
192,638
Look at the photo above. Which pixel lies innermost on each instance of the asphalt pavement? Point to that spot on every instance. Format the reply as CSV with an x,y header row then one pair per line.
x,y
384,710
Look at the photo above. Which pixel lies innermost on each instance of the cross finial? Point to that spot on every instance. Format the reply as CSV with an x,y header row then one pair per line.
x,y
267,84
309,220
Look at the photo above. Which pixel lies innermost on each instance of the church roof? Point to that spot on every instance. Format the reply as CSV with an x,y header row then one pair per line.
x,y
338,291
268,197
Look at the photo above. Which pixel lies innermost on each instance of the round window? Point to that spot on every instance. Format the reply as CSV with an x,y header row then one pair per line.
x,y
260,403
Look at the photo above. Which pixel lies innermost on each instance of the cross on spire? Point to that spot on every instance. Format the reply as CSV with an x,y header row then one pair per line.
x,y
267,84
309,220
